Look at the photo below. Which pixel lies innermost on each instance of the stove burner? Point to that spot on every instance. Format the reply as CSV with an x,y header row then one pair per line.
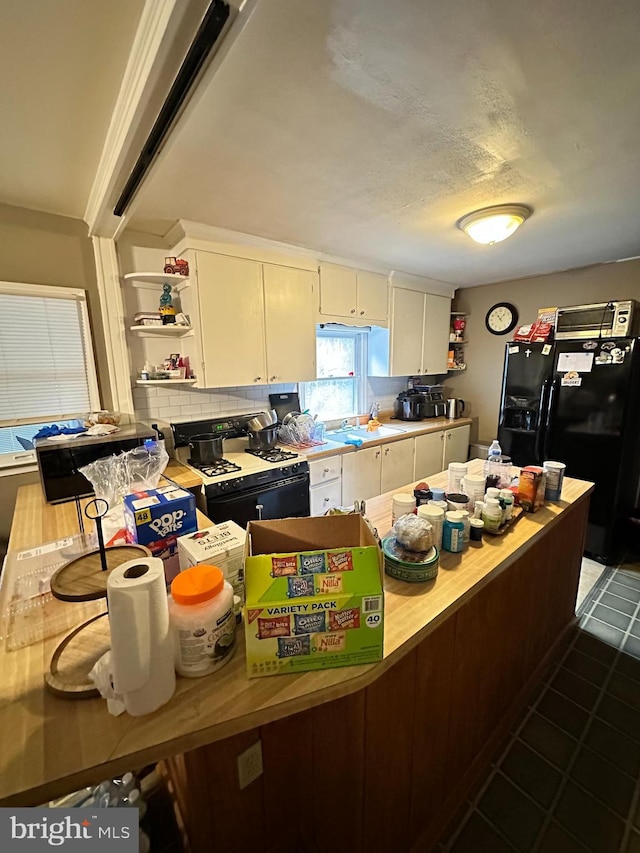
x,y
222,466
276,454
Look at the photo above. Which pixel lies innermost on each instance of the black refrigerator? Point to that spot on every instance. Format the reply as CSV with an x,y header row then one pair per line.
x,y
578,402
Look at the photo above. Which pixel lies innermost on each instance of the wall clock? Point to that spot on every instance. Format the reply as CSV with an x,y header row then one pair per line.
x,y
501,318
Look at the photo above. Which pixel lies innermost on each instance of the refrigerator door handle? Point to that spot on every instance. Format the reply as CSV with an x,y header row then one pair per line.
x,y
542,415
548,417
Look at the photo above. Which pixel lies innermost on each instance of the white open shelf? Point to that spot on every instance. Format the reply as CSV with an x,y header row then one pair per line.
x,y
150,382
155,280
171,330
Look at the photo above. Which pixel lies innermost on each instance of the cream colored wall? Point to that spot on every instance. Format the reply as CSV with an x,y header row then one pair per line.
x,y
479,386
41,248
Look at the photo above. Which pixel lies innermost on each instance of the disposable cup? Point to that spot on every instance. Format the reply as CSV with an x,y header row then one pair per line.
x,y
554,476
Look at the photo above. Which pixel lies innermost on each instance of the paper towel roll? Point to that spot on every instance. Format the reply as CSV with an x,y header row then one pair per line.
x,y
141,644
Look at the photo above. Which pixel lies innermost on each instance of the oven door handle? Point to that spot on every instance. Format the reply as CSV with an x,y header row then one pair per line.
x,y
258,490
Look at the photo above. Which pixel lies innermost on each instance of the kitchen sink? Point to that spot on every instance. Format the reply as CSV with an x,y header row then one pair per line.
x,y
362,433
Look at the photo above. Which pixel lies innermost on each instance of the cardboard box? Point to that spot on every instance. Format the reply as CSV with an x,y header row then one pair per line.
x,y
221,545
156,518
531,488
314,594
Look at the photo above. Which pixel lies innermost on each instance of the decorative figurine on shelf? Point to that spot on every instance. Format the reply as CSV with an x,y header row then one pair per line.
x,y
176,266
167,308
459,324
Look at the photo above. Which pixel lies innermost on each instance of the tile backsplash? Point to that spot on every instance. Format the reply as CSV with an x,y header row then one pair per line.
x,y
164,403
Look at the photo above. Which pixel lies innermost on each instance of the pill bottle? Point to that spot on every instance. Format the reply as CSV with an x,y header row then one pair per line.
x,y
457,471
492,492
435,516
453,532
477,526
467,525
437,494
492,515
506,502
477,509
403,504
202,620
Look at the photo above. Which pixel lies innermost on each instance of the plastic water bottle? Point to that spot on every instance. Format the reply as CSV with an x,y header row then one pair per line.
x,y
495,451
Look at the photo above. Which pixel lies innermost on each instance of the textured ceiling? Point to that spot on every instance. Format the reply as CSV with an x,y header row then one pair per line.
x,y
366,128
61,65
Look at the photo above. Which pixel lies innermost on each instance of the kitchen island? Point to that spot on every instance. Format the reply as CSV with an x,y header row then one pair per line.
x,y
371,757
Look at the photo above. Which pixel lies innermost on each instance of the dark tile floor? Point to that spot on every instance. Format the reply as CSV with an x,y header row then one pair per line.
x,y
568,780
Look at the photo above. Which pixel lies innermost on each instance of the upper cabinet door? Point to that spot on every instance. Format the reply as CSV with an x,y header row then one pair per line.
x,y
407,314
290,307
373,296
437,317
338,291
231,321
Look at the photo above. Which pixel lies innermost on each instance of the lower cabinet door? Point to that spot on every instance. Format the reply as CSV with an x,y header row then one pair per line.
x,y
361,475
429,455
457,444
397,464
325,496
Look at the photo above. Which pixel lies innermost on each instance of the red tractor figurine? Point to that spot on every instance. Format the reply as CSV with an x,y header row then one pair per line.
x,y
176,266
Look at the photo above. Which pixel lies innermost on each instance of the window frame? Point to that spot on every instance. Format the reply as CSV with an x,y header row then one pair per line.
x,y
25,459
360,334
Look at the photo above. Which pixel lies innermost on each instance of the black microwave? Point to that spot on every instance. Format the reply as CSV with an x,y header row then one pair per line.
x,y
59,462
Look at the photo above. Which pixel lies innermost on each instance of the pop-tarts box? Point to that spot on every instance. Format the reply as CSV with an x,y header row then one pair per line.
x,y
156,518
220,545
314,595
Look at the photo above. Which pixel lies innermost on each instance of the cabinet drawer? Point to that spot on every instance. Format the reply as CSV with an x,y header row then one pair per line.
x,y
325,470
324,497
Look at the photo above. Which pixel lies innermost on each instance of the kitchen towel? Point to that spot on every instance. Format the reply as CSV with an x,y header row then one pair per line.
x,y
141,643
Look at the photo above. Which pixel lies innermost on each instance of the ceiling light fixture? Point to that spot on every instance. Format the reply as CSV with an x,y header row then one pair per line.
x,y
494,224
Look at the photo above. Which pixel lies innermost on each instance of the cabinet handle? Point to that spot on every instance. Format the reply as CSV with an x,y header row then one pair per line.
x,y
448,436
353,310
326,500
325,471
386,450
271,378
257,379
377,453
361,313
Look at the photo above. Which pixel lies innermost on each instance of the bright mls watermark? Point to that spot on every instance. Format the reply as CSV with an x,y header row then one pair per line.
x,y
86,830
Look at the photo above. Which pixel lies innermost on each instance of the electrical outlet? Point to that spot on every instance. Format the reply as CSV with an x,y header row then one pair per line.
x,y
250,764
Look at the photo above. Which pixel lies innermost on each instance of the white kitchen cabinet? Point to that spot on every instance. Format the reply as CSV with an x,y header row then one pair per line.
x,y
325,480
371,471
429,454
456,445
231,308
434,450
256,322
353,294
325,497
397,464
416,342
290,332
361,474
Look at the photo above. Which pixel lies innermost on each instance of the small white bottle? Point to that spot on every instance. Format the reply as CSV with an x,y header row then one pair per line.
x,y
435,516
202,619
466,533
492,515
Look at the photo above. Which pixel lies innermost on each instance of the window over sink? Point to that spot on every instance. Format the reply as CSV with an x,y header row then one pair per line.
x,y
47,370
341,358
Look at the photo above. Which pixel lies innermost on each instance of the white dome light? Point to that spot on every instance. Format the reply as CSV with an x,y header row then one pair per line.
x,y
494,224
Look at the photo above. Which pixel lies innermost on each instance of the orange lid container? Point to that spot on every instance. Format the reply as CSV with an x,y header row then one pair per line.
x,y
197,584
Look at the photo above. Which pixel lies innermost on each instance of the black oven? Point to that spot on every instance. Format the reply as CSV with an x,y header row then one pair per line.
x,y
281,493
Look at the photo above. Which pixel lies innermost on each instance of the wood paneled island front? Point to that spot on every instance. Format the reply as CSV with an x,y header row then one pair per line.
x,y
374,757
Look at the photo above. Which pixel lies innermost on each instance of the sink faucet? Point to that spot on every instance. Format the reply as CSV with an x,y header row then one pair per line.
x,y
345,424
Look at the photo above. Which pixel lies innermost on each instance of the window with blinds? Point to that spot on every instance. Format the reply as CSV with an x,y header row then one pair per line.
x,y
47,370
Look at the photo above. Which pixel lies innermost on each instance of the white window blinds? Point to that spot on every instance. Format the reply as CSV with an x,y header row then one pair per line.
x,y
46,360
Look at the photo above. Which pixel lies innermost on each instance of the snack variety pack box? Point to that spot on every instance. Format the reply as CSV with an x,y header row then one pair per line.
x,y
156,518
531,488
314,596
221,545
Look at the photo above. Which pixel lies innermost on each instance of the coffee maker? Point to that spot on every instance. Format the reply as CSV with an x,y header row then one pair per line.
x,y
434,405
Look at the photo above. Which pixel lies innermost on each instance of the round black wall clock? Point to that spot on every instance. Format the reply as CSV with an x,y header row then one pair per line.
x,y
501,318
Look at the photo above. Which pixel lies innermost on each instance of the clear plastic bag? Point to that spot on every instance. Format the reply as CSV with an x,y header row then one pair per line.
x,y
113,477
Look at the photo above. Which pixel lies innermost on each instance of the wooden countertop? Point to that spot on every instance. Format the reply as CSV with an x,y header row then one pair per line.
x,y
49,746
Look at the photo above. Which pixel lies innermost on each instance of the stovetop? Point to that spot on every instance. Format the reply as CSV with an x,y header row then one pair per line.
x,y
276,454
221,466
